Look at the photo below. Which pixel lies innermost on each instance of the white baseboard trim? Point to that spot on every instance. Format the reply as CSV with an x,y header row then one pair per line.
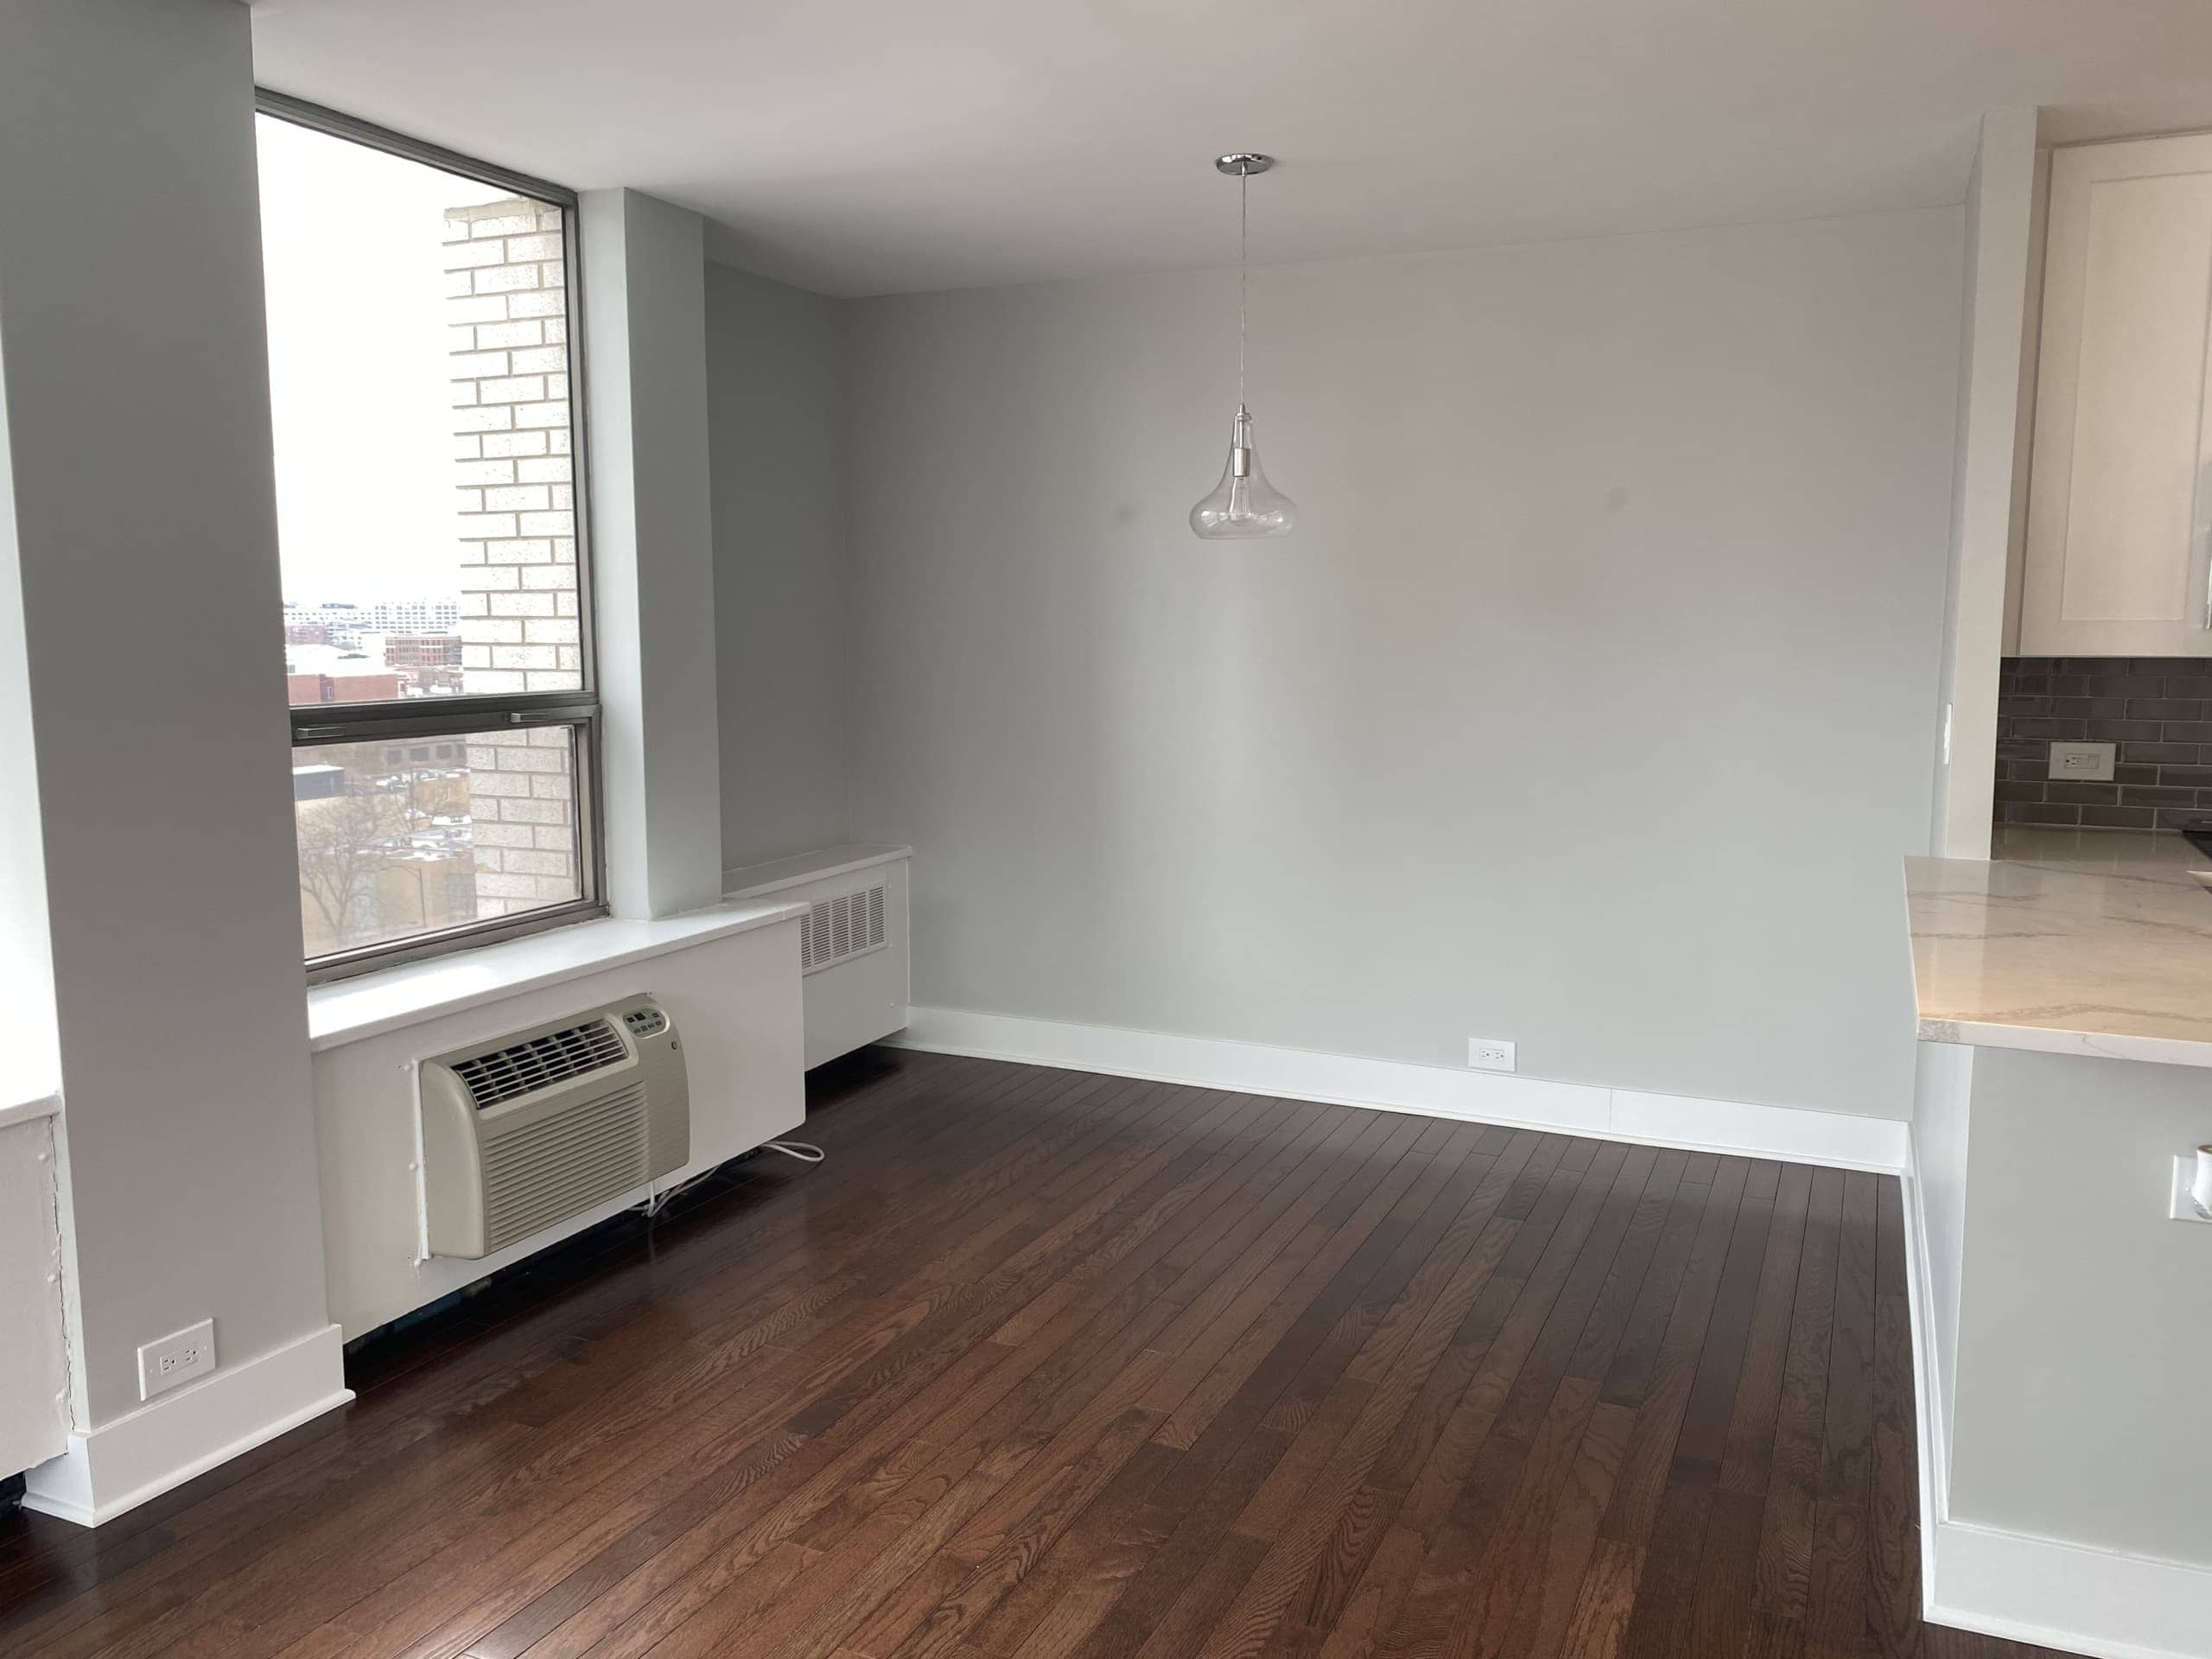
x,y
1790,1134
118,1466
2052,1594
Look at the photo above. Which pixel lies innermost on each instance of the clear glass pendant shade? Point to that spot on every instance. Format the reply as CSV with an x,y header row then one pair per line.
x,y
1243,504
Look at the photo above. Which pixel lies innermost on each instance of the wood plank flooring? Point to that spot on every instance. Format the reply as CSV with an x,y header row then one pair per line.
x,y
1046,1365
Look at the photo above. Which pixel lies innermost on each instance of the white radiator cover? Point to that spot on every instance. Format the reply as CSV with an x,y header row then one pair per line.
x,y
844,927
735,1000
853,943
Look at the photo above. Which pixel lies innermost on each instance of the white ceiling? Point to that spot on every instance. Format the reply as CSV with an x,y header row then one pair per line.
x,y
878,146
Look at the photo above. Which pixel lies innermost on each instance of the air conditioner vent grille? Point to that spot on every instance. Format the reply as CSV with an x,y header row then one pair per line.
x,y
555,1058
544,1171
839,929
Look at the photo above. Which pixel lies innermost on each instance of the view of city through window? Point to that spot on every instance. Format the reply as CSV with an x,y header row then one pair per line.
x,y
419,381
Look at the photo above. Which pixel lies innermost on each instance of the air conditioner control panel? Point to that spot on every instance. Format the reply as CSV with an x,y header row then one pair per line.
x,y
646,1022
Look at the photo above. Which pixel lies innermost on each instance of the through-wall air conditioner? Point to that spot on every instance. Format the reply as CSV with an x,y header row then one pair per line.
x,y
520,1134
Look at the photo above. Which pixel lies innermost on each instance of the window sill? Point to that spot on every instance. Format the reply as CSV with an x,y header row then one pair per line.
x,y
20,1105
369,1005
758,881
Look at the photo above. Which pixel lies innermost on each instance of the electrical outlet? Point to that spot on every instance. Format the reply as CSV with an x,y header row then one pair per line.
x,y
1489,1054
176,1359
2179,1206
2085,763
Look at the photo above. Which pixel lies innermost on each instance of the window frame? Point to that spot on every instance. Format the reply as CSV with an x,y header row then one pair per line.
x,y
402,719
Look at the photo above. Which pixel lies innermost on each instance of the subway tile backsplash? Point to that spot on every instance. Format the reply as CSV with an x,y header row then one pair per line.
x,y
2158,709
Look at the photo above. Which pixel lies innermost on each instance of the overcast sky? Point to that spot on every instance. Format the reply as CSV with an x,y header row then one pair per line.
x,y
351,242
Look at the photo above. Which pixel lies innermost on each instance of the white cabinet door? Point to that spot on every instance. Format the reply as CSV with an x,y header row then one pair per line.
x,y
2119,504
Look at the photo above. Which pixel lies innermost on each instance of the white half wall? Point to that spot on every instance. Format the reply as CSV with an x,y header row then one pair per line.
x,y
2083,1304
783,589
138,437
1588,707
2053,1290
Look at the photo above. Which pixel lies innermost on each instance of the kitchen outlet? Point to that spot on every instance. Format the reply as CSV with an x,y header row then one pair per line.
x,y
2084,763
1488,1054
176,1359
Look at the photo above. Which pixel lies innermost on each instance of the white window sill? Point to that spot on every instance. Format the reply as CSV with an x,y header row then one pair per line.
x,y
368,1005
758,881
20,1105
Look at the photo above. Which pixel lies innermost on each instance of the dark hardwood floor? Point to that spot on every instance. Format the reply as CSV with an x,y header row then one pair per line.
x,y
1045,1365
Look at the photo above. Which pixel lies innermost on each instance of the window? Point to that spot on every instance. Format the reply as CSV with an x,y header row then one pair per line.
x,y
437,616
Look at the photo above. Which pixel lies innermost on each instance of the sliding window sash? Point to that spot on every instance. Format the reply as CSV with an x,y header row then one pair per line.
x,y
392,723
367,722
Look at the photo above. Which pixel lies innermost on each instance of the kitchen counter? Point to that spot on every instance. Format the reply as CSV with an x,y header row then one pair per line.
x,y
2070,942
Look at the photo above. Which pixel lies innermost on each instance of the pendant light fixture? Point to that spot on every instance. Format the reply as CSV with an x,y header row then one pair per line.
x,y
1243,504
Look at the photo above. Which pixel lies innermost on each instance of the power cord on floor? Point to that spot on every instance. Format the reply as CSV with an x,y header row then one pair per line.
x,y
658,1202
806,1151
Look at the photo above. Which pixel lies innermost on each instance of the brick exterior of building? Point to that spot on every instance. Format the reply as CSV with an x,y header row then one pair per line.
x,y
520,623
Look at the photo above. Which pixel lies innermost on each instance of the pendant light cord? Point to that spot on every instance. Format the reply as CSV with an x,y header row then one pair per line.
x,y
1243,272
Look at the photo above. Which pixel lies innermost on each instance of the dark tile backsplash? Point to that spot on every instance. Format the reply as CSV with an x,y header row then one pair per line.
x,y
2159,709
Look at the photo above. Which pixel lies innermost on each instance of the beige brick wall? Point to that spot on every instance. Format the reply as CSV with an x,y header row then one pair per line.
x,y
520,626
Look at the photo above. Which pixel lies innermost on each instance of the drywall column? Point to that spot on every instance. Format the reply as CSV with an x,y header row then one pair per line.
x,y
2000,203
138,435
777,415
2000,211
645,341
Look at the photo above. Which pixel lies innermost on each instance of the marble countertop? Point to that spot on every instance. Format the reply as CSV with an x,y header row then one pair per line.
x,y
2067,941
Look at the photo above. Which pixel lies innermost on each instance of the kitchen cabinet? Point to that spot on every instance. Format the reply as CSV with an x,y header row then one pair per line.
x,y
2119,547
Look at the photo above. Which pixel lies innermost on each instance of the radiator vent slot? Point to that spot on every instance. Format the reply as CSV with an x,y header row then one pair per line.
x,y
839,929
541,1062
555,1166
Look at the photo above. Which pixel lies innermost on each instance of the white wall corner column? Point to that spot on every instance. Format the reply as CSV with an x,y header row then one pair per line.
x,y
144,532
653,550
2000,200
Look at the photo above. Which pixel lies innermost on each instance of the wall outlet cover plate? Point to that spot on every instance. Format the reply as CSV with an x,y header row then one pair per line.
x,y
1490,1054
176,1359
2082,763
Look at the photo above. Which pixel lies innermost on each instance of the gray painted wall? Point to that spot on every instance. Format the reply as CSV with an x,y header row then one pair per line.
x,y
777,413
146,527
2084,1306
1591,706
